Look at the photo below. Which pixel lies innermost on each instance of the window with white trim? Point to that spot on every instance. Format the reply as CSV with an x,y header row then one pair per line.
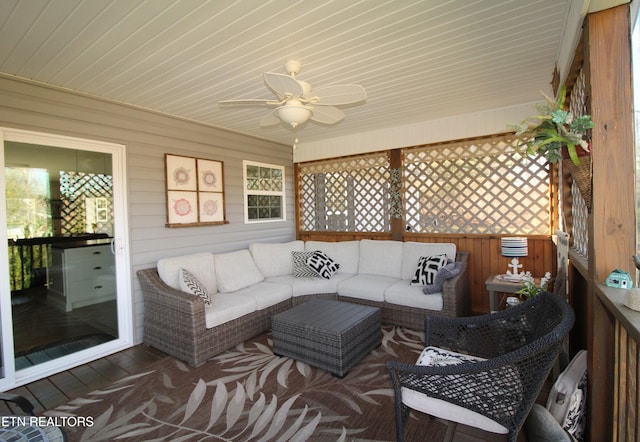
x,y
264,196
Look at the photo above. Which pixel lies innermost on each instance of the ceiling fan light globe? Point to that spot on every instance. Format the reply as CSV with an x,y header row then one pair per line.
x,y
293,115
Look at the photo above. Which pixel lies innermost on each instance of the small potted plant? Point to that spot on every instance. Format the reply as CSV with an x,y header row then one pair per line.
x,y
530,289
554,131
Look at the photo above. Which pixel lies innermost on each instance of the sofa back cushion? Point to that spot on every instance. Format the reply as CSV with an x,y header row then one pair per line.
x,y
413,251
201,265
275,259
382,258
345,253
236,270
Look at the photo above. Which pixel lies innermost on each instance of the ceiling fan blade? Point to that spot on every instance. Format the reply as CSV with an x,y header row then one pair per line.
x,y
283,85
251,101
327,114
339,95
271,119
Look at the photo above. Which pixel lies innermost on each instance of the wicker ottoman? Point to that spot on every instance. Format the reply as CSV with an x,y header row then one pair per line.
x,y
327,334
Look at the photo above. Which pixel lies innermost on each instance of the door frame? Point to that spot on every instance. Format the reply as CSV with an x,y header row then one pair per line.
x,y
11,378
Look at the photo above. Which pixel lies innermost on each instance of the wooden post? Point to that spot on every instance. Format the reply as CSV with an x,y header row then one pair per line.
x,y
397,224
612,219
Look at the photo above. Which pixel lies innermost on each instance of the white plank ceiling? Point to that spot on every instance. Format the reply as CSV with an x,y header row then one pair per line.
x,y
418,60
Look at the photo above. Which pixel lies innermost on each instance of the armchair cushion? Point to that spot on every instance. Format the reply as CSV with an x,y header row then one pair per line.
x,y
434,356
519,346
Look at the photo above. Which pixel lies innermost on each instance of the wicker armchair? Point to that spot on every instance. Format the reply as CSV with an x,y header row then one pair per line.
x,y
484,371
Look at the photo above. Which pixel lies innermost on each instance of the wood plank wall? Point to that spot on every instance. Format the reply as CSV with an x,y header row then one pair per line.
x,y
484,256
626,425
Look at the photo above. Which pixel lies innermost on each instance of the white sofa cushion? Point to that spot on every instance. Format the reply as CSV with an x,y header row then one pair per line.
x,y
266,293
235,271
403,293
345,253
370,287
412,251
381,258
442,409
201,265
274,259
227,307
311,285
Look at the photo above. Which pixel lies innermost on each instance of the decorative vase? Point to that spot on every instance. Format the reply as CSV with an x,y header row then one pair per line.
x,y
579,151
581,176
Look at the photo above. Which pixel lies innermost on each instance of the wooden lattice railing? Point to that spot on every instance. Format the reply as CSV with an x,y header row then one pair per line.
x,y
464,187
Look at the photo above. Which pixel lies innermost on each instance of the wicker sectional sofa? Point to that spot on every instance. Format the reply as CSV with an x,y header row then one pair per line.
x,y
248,287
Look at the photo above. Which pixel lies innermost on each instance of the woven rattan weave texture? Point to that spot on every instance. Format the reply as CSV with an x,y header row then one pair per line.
x,y
328,334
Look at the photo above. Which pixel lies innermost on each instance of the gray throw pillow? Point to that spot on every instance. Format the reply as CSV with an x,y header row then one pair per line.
x,y
449,271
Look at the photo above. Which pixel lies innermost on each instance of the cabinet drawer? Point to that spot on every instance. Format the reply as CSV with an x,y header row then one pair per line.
x,y
90,268
88,253
94,288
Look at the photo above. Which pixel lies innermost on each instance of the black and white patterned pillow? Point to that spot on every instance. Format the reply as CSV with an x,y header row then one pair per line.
x,y
190,284
435,356
300,267
427,270
322,264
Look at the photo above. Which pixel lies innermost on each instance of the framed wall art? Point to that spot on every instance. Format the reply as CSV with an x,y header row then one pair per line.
x,y
195,191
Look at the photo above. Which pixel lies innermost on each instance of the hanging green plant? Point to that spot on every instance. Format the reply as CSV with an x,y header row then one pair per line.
x,y
553,130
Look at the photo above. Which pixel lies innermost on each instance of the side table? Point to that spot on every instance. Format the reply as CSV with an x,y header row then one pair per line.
x,y
496,285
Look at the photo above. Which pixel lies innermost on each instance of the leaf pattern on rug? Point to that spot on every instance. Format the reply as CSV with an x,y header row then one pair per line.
x,y
246,393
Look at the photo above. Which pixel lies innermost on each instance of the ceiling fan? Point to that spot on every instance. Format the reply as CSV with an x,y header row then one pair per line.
x,y
296,103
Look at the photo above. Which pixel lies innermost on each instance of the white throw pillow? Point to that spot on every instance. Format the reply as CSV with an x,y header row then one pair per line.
x,y
190,284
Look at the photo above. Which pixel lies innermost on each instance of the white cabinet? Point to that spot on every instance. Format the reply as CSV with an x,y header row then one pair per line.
x,y
81,276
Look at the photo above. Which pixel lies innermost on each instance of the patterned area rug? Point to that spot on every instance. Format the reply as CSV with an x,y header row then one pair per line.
x,y
247,393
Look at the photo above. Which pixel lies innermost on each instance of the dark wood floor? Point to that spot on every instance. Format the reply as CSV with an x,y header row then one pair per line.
x,y
61,388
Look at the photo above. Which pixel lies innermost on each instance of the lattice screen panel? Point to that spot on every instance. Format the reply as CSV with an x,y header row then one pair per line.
x,y
580,214
476,187
346,194
579,209
87,203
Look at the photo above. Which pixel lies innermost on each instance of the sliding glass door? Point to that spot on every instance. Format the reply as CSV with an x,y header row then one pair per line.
x,y
65,232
